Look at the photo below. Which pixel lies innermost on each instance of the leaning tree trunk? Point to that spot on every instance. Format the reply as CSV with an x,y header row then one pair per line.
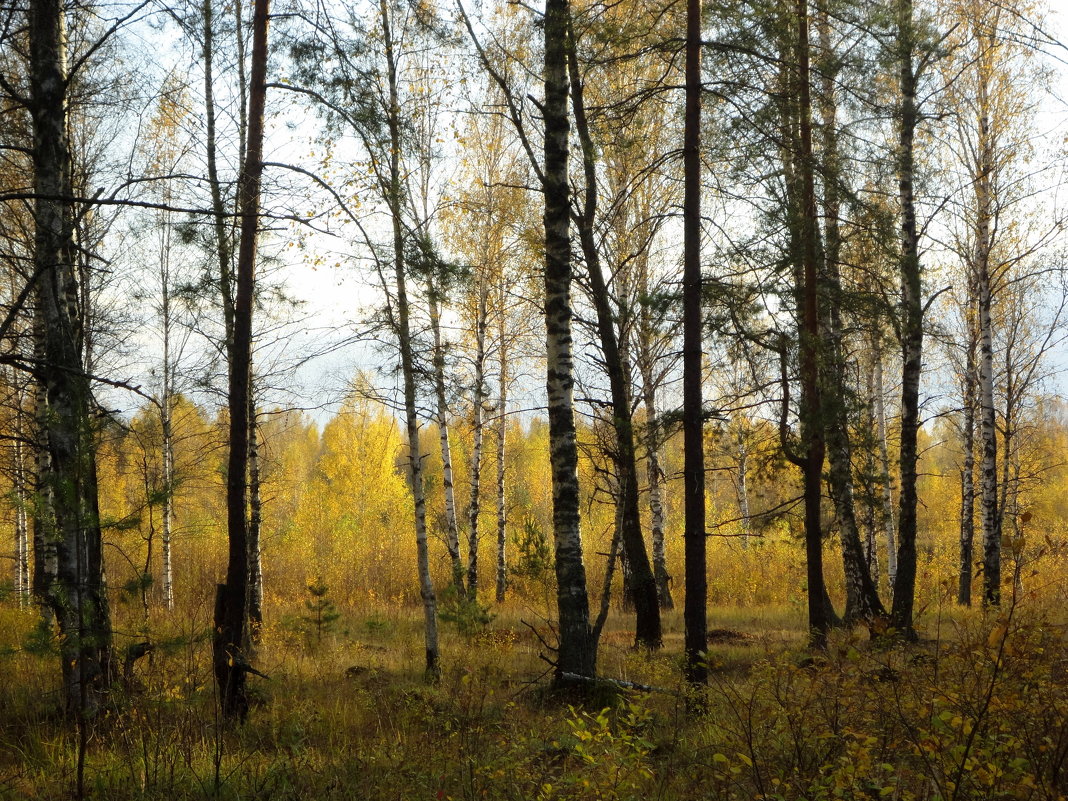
x,y
911,327
694,612
231,601
642,585
77,593
577,654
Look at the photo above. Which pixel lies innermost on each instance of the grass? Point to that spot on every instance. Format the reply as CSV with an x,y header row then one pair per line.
x,y
968,714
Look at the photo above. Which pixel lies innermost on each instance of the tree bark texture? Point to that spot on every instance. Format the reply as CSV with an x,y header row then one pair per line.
x,y
576,654
694,610
478,406
982,186
452,536
231,604
255,516
889,523
811,420
642,585
862,597
407,356
502,432
166,428
654,470
910,324
77,593
967,469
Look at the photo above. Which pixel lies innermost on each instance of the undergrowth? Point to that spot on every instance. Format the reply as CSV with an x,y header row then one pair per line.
x,y
977,710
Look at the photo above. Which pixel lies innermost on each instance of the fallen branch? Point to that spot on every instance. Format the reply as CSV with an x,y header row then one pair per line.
x,y
623,685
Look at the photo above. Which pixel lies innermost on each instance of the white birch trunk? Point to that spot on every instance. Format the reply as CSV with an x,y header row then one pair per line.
x,y
889,527
502,429
452,536
404,342
474,507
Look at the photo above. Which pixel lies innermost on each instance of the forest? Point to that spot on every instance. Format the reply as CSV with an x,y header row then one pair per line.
x,y
574,400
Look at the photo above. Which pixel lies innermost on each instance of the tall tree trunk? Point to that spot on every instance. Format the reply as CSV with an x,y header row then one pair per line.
x,y
812,429
231,599
223,249
22,501
44,544
871,539
967,470
743,489
694,612
502,430
654,471
77,595
862,597
655,474
577,654
166,404
889,524
255,516
452,536
475,504
911,326
989,516
395,199
642,585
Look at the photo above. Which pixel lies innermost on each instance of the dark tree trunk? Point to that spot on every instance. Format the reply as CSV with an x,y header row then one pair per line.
x,y
642,585
577,654
230,664
812,430
694,611
223,249
911,327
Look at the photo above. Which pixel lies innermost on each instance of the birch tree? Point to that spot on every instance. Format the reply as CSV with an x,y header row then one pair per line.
x,y
77,592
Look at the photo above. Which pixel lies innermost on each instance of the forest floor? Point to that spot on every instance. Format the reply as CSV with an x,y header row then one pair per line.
x,y
977,710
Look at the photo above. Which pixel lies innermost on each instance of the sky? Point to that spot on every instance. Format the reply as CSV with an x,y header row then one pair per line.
x,y
329,275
